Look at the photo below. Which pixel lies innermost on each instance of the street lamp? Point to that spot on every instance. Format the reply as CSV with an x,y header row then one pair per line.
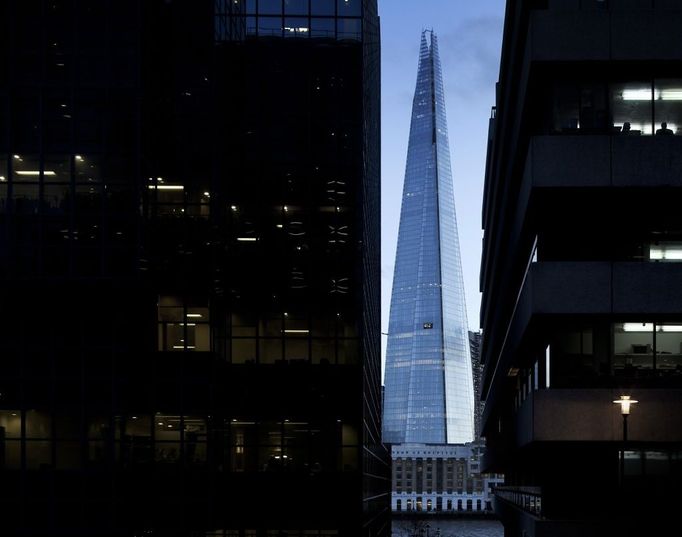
x,y
625,403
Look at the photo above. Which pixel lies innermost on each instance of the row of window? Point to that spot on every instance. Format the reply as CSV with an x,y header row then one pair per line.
x,y
271,533
231,445
644,107
341,8
450,505
639,349
237,28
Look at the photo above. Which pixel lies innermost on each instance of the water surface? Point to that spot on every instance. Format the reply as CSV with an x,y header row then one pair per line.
x,y
447,527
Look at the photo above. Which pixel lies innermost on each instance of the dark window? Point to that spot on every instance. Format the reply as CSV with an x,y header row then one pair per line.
x,y
349,29
270,7
270,26
322,7
349,8
296,7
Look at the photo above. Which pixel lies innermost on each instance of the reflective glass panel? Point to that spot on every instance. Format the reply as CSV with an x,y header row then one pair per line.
x,y
349,8
322,7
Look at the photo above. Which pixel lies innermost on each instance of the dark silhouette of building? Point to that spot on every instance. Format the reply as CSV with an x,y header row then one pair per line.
x,y
189,251
581,268
477,373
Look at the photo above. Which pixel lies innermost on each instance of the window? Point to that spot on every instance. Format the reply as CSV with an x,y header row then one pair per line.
x,y
270,7
631,105
183,325
668,106
296,27
572,354
399,505
349,8
349,29
322,7
270,26
633,348
647,349
296,7
668,349
665,251
322,28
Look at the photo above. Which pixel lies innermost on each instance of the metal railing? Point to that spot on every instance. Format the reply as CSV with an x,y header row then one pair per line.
x,y
527,498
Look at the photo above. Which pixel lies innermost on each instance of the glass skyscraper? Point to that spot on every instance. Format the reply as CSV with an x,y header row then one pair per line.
x,y
428,386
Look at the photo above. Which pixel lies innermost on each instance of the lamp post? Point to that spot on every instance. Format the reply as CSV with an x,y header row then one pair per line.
x,y
625,403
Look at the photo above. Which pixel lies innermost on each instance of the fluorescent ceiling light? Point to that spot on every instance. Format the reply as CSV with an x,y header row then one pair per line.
x,y
637,95
33,173
638,327
673,94
166,187
194,315
668,252
247,239
669,328
292,331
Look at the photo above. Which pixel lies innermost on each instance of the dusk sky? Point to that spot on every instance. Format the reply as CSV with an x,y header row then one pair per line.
x,y
469,39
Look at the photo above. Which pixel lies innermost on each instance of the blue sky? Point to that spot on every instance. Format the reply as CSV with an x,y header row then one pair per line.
x,y
469,37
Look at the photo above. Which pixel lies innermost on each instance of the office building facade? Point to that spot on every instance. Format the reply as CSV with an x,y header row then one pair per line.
x,y
441,479
189,238
428,384
580,271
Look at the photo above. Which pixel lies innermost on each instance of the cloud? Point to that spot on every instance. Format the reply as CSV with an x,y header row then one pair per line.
x,y
470,55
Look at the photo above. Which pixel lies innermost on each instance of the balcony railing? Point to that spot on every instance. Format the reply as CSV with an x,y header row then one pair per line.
x,y
527,498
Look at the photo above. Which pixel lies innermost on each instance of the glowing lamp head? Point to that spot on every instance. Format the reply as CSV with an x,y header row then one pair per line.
x,y
625,403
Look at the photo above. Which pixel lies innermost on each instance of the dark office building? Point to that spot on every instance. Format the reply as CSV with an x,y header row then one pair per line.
x,y
189,253
581,269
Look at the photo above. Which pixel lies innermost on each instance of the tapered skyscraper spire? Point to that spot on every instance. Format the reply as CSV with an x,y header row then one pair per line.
x,y
429,387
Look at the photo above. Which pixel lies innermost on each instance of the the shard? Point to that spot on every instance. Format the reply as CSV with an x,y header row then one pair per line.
x,y
428,384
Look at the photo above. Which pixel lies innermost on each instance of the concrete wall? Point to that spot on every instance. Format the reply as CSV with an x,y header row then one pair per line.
x,y
591,416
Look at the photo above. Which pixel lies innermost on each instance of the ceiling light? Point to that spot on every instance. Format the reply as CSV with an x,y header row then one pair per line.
x,y
247,239
638,327
166,187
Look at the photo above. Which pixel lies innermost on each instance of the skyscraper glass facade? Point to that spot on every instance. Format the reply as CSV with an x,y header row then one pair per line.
x,y
428,385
